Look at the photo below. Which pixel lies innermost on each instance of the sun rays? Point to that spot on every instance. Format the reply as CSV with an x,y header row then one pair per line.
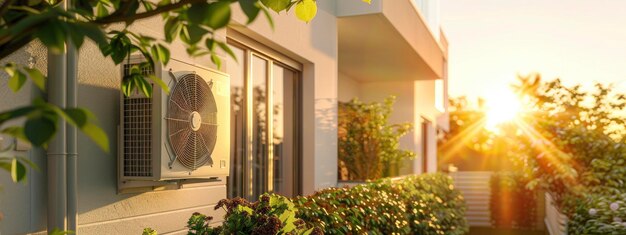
x,y
502,107
506,110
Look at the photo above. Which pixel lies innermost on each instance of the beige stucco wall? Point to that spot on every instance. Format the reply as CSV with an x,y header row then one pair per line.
x,y
348,88
101,209
425,109
21,203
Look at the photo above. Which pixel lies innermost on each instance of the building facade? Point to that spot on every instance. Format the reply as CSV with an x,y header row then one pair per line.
x,y
285,84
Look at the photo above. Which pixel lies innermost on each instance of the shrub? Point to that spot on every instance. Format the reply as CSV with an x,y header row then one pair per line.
x,y
599,213
425,204
271,214
421,204
512,204
368,144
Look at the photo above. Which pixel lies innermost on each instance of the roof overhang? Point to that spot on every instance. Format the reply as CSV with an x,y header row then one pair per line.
x,y
387,40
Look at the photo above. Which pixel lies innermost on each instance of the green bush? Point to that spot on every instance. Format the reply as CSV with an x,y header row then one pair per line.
x,y
424,204
601,213
512,204
368,145
421,204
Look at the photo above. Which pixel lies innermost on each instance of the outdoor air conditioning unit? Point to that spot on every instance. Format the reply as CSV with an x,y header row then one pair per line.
x,y
181,135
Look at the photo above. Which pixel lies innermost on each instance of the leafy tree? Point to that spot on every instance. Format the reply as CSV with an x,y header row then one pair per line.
x,y
466,117
193,22
368,144
573,145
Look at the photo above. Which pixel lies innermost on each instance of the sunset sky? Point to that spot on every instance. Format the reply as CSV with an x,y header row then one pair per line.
x,y
493,40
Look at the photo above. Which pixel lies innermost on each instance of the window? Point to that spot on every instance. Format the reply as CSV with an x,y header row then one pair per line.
x,y
264,122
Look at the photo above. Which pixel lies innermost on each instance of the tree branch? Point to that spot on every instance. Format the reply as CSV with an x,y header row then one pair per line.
x,y
14,45
115,18
5,6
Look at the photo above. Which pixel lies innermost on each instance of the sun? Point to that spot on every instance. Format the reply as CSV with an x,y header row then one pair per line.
x,y
503,106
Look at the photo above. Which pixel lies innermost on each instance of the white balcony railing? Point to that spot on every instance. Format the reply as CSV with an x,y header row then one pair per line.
x,y
431,13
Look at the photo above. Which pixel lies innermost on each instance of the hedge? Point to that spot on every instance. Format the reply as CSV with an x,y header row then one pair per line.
x,y
421,204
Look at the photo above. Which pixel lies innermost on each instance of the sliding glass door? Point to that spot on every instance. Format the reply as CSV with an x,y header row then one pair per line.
x,y
264,124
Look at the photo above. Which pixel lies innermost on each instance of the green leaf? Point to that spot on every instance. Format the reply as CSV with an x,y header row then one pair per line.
x,y
92,31
15,113
52,34
147,5
161,53
160,83
5,165
216,60
164,2
172,28
29,163
56,231
210,44
198,12
143,85
268,16
306,10
218,14
227,49
127,86
96,134
76,116
16,77
101,10
246,209
15,131
251,8
308,232
193,34
39,130
30,21
84,7
18,170
276,5
37,77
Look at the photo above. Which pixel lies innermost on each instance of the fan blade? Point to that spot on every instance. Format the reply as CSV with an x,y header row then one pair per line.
x,y
187,155
176,111
179,96
206,100
178,141
204,153
208,133
190,90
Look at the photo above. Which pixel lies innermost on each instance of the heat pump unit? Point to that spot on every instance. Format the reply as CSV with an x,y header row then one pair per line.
x,y
181,135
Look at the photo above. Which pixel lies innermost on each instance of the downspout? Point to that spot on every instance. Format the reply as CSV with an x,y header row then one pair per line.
x,y
72,147
57,148
57,178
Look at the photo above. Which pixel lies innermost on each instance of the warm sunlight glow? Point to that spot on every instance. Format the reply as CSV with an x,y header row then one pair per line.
x,y
501,107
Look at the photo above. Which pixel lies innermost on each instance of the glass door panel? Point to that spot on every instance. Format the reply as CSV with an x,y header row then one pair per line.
x,y
236,70
283,130
259,126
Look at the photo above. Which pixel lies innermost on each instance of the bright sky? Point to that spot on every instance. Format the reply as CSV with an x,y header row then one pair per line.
x,y
493,40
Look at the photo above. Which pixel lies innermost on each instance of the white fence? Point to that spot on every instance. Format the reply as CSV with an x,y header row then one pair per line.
x,y
555,221
474,185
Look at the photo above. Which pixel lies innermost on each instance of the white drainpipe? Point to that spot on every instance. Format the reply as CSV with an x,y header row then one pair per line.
x,y
57,149
62,150
72,147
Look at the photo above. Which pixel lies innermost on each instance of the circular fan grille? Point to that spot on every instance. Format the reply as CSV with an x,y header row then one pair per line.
x,y
192,121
